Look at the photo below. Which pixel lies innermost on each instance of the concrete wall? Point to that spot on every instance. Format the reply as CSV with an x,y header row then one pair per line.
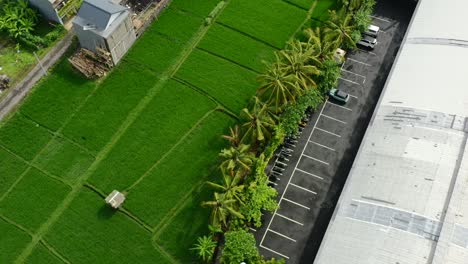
x,y
47,10
121,39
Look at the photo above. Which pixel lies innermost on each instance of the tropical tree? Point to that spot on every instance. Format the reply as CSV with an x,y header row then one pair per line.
x,y
205,247
16,18
299,64
278,87
321,43
231,187
234,136
237,159
258,123
222,209
340,29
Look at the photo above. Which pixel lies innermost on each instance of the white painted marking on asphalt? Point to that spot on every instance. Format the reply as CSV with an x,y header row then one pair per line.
x,y
289,219
353,96
323,146
368,52
312,158
382,19
311,174
302,188
298,204
290,178
335,119
340,106
360,62
348,80
253,229
326,131
279,234
271,250
362,76
274,183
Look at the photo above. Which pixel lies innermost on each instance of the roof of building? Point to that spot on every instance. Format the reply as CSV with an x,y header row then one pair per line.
x,y
100,13
115,199
405,197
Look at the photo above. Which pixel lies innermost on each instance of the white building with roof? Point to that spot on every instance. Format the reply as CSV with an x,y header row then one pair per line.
x,y
106,25
406,197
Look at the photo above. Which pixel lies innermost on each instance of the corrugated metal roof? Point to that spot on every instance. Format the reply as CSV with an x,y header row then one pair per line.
x,y
99,12
405,198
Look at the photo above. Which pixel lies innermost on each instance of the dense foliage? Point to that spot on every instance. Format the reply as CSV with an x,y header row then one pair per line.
x,y
294,83
239,246
18,20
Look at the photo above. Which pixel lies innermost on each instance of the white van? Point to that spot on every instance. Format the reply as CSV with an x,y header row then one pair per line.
x,y
373,31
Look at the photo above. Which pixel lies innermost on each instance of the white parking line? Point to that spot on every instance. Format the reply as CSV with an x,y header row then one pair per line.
x,y
348,80
271,250
298,204
290,178
302,188
279,234
355,97
326,131
362,76
381,19
289,219
360,62
311,174
274,183
253,229
332,118
368,52
312,158
340,106
323,146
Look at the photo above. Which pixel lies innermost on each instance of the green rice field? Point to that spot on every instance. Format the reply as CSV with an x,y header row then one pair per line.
x,y
151,129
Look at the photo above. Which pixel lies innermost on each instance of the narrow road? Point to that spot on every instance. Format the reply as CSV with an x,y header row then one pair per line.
x,y
22,89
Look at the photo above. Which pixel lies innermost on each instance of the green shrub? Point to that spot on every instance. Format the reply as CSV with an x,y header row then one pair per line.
x,y
205,248
239,246
328,78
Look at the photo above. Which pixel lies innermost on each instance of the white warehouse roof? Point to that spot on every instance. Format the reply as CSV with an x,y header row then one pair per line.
x,y
406,197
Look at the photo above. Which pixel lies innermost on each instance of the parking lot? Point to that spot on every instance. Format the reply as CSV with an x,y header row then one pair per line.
x,y
311,170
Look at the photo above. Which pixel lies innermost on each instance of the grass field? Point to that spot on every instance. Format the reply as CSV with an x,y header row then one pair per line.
x,y
272,21
232,88
151,129
246,51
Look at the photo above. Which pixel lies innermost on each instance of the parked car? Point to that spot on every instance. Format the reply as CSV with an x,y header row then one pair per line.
x,y
338,95
372,31
367,42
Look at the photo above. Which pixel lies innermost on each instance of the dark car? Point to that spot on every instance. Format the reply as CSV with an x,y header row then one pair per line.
x,y
339,95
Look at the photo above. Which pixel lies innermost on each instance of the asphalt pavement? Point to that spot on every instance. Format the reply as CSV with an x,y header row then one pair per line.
x,y
313,169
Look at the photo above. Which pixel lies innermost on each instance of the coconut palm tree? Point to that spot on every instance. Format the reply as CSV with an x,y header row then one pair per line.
x,y
298,64
340,29
234,136
321,43
222,209
278,87
237,159
231,186
258,123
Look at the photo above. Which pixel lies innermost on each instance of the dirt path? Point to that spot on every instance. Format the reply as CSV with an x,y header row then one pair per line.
x,y
22,89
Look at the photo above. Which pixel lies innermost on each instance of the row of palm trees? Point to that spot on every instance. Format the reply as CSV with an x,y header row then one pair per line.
x,y
293,73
